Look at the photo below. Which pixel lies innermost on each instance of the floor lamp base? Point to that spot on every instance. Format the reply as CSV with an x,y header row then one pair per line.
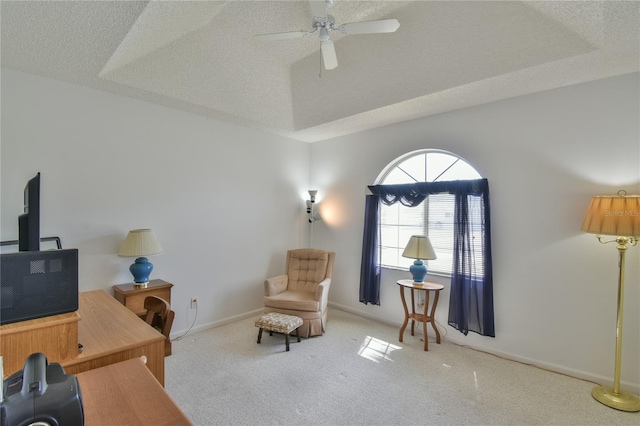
x,y
624,401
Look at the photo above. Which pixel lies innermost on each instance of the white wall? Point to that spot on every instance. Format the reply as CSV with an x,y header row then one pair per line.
x,y
545,156
225,202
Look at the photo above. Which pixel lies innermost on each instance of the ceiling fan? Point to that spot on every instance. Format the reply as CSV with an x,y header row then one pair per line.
x,y
324,24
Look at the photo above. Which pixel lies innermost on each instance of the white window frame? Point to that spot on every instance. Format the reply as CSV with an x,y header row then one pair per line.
x,y
398,223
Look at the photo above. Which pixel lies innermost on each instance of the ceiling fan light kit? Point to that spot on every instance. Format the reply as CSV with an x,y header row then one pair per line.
x,y
324,24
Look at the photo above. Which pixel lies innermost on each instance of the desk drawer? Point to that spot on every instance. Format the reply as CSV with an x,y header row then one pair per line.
x,y
135,302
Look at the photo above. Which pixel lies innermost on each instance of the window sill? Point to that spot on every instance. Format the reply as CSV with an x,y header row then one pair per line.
x,y
435,274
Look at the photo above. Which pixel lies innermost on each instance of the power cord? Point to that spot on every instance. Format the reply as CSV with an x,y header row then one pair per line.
x,y
192,324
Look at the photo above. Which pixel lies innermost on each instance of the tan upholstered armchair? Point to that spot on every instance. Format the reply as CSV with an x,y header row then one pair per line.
x,y
303,290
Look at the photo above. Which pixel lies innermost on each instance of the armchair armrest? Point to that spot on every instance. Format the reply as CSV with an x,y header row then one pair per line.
x,y
275,285
322,293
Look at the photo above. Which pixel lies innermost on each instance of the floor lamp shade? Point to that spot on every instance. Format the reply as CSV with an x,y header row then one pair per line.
x,y
619,216
419,247
140,243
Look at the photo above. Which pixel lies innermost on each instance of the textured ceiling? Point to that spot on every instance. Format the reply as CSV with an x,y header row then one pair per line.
x,y
200,56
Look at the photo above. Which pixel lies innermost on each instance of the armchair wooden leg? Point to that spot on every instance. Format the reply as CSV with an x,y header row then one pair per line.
x,y
259,335
298,333
286,339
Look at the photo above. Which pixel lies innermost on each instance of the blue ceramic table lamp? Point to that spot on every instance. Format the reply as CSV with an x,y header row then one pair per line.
x,y
419,248
140,243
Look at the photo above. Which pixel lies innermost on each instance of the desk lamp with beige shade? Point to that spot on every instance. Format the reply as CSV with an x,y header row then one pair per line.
x,y
419,248
140,243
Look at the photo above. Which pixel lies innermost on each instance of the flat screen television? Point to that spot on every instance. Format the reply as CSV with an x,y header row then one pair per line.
x,y
29,221
36,284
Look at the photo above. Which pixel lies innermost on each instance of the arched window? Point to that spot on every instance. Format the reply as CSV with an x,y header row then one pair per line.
x,y
434,217
450,204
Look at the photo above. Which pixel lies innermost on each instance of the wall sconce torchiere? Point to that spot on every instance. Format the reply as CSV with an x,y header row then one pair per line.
x,y
312,210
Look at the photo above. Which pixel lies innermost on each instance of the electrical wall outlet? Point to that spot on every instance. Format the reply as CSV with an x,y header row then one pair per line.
x,y
194,303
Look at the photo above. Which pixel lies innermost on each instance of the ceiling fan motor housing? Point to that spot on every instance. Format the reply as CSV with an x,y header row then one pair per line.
x,y
328,22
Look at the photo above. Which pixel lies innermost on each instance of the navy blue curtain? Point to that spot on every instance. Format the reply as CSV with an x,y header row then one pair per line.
x,y
370,265
471,295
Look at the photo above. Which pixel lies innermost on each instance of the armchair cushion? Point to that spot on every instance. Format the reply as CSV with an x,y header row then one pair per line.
x,y
294,300
307,267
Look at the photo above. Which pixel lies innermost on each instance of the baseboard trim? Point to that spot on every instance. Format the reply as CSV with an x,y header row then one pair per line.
x,y
363,314
214,324
555,368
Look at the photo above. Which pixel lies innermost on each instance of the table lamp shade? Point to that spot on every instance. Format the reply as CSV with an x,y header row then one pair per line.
x,y
140,243
617,215
419,247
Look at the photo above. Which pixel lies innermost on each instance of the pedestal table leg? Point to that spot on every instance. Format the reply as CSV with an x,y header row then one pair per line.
x,y
406,313
432,316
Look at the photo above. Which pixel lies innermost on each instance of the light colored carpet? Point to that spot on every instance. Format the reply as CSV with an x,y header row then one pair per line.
x,y
358,373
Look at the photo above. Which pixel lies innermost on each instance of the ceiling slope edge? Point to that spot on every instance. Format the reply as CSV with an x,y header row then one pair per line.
x,y
160,24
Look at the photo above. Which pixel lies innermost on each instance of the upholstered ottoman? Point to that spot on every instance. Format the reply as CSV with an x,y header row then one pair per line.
x,y
280,323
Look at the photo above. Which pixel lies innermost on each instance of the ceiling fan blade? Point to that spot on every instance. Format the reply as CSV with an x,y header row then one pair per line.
x,y
319,8
371,27
329,55
281,36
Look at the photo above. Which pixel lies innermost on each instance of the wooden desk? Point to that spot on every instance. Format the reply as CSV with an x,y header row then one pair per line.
x,y
111,333
427,287
108,332
126,393
56,336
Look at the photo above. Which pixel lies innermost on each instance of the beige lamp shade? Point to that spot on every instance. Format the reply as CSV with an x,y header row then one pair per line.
x,y
419,247
617,215
140,242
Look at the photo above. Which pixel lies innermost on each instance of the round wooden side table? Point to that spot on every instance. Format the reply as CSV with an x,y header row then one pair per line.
x,y
423,317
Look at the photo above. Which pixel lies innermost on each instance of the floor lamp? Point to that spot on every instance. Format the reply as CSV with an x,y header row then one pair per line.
x,y
619,216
